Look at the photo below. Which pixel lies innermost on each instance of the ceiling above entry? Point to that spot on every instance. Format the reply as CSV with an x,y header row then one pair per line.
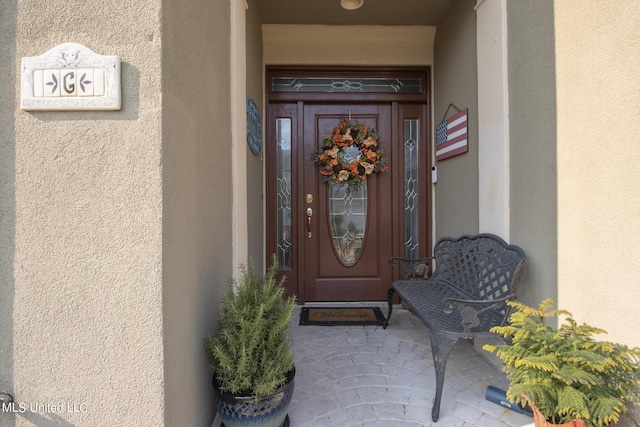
x,y
372,12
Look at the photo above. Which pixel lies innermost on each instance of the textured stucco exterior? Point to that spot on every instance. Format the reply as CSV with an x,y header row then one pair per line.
x,y
119,229
82,204
117,235
255,162
8,91
198,203
493,118
455,82
379,45
574,89
571,83
598,99
532,132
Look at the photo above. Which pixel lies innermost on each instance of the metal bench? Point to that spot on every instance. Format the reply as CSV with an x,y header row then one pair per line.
x,y
466,295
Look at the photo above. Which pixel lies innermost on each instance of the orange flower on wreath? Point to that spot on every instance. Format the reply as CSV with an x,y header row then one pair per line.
x,y
370,155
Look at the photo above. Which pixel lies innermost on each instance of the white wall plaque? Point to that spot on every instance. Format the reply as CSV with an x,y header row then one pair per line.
x,y
70,77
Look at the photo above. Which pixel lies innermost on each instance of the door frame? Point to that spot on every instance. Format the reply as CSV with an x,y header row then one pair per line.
x,y
403,105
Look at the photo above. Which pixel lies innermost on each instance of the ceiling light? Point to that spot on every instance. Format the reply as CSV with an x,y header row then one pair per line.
x,y
351,4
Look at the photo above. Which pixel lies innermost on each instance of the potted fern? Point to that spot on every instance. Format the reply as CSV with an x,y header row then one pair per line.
x,y
565,374
250,352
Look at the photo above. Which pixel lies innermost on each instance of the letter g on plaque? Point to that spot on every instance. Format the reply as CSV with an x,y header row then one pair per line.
x,y
70,77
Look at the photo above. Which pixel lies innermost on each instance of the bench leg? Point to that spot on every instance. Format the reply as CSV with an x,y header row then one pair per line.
x,y
390,293
441,346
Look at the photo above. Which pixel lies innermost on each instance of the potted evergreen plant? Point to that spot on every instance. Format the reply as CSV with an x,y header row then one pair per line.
x,y
565,374
250,352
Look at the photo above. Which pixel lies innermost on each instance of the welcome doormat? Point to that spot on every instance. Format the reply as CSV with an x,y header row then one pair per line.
x,y
341,316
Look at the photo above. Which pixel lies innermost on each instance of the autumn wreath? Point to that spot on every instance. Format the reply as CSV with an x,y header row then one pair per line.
x,y
350,154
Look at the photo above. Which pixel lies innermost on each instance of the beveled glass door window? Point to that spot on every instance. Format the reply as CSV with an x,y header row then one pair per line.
x,y
348,220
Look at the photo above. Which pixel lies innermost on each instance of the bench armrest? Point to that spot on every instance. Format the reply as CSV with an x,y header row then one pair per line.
x,y
469,310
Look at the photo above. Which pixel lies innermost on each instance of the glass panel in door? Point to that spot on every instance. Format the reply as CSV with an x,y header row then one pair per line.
x,y
348,220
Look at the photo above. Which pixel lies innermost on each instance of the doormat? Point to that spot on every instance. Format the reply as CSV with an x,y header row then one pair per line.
x,y
341,316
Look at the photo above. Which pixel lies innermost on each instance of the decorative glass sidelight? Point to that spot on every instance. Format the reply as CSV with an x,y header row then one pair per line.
x,y
348,220
411,192
283,203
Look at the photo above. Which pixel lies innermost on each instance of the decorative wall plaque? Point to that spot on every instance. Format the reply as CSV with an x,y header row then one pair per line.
x,y
70,77
254,127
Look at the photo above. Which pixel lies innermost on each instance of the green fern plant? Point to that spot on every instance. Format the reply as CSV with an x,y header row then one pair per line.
x,y
250,352
565,372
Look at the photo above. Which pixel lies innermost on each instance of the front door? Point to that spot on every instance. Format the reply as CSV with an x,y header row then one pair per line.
x,y
332,241
349,234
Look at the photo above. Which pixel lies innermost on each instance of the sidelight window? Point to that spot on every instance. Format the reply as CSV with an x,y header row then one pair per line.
x,y
411,193
283,192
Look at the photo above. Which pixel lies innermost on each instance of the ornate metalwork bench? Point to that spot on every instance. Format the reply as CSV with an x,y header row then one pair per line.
x,y
466,295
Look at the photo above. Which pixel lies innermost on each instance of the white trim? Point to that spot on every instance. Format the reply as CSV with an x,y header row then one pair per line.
x,y
493,119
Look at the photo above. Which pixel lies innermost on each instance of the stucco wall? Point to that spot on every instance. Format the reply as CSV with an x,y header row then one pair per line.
x,y
316,44
597,61
532,132
455,81
197,166
573,83
82,199
8,98
255,162
493,118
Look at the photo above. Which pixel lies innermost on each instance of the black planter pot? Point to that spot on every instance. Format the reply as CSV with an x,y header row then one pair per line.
x,y
267,411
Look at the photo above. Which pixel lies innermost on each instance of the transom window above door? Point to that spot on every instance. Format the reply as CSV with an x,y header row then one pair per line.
x,y
404,84
341,84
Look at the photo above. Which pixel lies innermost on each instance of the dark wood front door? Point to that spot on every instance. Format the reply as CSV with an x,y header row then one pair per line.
x,y
348,240
333,243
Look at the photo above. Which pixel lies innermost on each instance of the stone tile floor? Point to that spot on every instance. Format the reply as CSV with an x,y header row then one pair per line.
x,y
368,376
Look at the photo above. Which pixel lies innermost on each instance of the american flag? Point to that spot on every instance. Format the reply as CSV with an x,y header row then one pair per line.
x,y
451,136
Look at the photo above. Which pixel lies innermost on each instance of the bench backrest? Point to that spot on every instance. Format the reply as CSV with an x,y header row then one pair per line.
x,y
483,265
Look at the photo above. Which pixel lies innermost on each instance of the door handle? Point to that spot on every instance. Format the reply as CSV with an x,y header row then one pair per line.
x,y
309,215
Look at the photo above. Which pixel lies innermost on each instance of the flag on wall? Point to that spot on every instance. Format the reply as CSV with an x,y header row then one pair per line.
x,y
451,136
